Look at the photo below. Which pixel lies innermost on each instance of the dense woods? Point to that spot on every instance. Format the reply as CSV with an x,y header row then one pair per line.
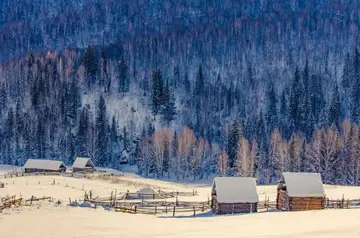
x,y
183,89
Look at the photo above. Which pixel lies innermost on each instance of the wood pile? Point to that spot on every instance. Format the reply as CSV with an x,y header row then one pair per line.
x,y
7,202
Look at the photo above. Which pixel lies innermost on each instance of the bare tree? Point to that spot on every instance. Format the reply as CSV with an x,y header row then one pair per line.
x,y
244,162
222,163
187,141
279,153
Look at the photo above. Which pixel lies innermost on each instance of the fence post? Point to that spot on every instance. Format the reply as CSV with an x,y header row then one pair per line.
x,y
135,209
203,208
32,197
342,202
233,209
166,209
251,207
194,210
174,211
155,210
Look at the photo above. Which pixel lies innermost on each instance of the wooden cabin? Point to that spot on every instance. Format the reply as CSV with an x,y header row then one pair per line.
x,y
37,165
300,191
84,165
234,195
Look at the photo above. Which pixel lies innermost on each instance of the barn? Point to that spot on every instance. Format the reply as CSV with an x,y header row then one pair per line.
x,y
234,195
300,191
82,164
38,165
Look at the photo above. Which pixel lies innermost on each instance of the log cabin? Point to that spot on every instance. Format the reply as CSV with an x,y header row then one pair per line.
x,y
300,191
234,195
37,165
82,164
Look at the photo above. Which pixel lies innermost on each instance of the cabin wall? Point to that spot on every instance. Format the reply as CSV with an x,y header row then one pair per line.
x,y
43,170
306,203
229,208
84,170
286,203
282,200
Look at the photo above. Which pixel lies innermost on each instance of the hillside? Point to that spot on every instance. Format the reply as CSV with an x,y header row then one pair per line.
x,y
184,88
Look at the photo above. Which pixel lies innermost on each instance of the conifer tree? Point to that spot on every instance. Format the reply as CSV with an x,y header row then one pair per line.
x,y
123,76
101,125
355,100
334,109
233,143
157,90
90,66
271,109
199,83
294,154
168,109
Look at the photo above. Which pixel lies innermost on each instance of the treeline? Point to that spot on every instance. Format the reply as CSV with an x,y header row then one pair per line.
x,y
335,155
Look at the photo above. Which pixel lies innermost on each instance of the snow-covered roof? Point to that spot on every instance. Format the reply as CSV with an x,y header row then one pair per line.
x,y
82,163
303,184
43,164
147,191
235,190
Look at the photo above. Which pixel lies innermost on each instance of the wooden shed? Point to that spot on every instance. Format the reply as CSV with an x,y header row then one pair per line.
x,y
37,165
82,164
148,193
300,191
234,195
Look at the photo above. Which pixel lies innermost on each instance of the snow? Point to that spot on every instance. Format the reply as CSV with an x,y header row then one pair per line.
x,y
236,190
304,184
45,219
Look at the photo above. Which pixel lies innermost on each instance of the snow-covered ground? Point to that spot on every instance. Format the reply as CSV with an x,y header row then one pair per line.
x,y
63,221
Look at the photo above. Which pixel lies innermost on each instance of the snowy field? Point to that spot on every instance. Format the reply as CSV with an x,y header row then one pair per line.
x,y
48,221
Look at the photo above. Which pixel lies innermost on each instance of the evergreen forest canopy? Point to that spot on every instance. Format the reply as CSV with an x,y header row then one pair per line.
x,y
184,89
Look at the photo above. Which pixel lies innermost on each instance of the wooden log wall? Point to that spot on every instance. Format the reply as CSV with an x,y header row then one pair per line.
x,y
306,203
229,208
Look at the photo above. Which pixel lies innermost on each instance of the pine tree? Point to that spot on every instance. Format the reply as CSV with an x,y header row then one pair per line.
x,y
123,77
295,99
168,109
271,109
355,100
126,140
199,83
101,125
3,98
317,101
176,77
104,79
294,154
157,91
233,143
90,66
334,109
83,134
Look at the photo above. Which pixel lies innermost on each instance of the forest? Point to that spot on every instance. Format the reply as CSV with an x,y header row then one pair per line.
x,y
184,89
